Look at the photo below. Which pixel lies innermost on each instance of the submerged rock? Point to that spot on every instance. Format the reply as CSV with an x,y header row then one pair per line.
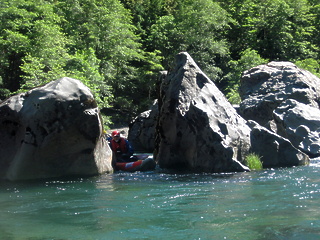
x,y
198,128
52,131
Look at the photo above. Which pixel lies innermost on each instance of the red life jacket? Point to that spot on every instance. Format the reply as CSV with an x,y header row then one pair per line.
x,y
119,146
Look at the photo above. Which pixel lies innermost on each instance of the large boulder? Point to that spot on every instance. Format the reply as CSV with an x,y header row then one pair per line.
x,y
265,87
299,123
274,150
198,129
52,131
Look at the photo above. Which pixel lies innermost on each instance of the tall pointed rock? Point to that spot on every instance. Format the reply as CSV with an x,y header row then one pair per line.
x,y
198,129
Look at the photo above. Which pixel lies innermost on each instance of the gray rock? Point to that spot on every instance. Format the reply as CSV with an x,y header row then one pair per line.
x,y
300,123
198,128
142,130
274,150
265,87
52,131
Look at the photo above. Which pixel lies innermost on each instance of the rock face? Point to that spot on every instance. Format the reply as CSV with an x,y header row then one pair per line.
x,y
286,100
274,150
142,130
198,129
52,131
299,123
265,87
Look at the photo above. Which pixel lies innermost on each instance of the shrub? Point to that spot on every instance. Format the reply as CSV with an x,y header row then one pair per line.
x,y
253,161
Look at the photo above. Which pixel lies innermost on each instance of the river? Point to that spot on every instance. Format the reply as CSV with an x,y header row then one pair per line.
x,y
281,203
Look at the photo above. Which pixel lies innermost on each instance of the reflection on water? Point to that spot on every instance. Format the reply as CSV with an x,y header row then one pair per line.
x,y
270,204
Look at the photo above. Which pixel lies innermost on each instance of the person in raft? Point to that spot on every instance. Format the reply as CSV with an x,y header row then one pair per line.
x,y
121,147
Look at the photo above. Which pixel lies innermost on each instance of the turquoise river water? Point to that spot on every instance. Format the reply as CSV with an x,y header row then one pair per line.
x,y
269,204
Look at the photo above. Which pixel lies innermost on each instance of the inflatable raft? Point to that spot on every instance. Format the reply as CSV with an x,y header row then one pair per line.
x,y
146,164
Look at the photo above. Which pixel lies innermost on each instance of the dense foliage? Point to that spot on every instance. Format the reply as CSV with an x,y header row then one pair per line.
x,y
117,47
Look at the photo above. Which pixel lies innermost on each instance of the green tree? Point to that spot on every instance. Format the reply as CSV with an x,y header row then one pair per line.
x,y
106,27
311,65
277,29
34,47
117,47
198,27
315,10
84,65
145,13
249,58
15,25
92,40
47,55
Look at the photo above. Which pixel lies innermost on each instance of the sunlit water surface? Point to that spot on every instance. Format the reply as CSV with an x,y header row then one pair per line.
x,y
270,204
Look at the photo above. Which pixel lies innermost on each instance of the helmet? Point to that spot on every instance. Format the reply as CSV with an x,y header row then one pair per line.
x,y
115,133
